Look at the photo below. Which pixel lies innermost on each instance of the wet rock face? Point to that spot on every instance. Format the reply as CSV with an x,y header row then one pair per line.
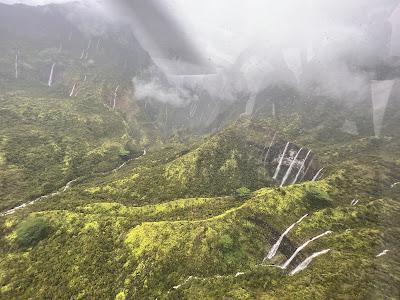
x,y
304,167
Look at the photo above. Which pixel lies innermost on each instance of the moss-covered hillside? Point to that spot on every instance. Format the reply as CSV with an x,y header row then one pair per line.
x,y
128,201
126,236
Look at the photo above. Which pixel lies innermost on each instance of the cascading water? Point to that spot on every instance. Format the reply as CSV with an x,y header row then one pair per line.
x,y
82,54
115,97
72,91
308,168
16,65
269,148
250,105
98,44
287,263
394,184
193,110
15,209
290,168
384,252
354,202
317,175
278,168
51,75
307,261
273,110
275,247
301,168
62,190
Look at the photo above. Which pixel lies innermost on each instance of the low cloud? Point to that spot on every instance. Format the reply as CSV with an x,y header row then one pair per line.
x,y
152,86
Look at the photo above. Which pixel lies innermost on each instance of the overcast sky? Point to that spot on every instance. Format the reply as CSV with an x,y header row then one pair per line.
x,y
224,31
224,28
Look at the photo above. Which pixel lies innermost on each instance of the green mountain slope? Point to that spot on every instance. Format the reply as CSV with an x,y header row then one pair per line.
x,y
159,209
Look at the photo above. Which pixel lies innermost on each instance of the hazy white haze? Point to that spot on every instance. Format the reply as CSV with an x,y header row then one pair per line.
x,y
232,46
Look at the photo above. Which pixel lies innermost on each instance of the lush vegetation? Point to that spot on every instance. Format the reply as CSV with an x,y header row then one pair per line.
x,y
193,216
142,246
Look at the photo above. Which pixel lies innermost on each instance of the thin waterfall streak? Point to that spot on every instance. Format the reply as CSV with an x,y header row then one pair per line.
x,y
301,168
72,91
290,168
273,110
269,148
51,75
89,45
275,247
16,65
278,168
303,265
308,168
317,175
82,54
98,44
287,263
384,252
115,97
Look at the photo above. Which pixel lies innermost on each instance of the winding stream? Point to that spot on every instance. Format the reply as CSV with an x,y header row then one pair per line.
x,y
62,190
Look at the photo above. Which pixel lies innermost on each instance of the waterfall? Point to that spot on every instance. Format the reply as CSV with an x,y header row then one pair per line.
x,y
317,175
278,168
380,94
384,252
115,96
98,44
51,75
273,110
84,78
290,168
72,91
193,110
269,148
354,202
275,247
89,44
287,263
308,167
307,261
250,105
394,184
82,54
16,65
68,185
301,168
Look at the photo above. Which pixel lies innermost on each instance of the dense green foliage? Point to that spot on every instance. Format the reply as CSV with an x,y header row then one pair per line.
x,y
31,231
201,246
193,216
